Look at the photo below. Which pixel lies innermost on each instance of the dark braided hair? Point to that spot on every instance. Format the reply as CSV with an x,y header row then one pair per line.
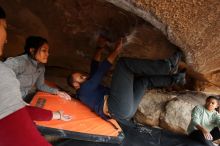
x,y
33,42
2,13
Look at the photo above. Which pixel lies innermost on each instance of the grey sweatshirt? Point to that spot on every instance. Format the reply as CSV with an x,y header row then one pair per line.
x,y
30,73
10,95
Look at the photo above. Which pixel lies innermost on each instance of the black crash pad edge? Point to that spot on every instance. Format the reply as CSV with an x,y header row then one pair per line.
x,y
81,136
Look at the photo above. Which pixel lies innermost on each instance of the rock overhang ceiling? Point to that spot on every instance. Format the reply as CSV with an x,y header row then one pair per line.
x,y
71,27
194,26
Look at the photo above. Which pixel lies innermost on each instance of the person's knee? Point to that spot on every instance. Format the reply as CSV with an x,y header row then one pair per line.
x,y
121,113
121,62
126,114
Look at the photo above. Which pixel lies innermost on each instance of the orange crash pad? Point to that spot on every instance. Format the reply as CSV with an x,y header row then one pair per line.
x,y
85,125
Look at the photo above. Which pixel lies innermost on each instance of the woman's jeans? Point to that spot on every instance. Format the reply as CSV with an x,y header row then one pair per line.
x,y
198,135
130,79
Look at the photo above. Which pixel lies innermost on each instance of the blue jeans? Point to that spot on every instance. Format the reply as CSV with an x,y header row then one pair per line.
x,y
130,79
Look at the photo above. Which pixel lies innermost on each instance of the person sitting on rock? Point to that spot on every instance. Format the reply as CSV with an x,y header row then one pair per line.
x,y
16,118
205,122
130,79
29,68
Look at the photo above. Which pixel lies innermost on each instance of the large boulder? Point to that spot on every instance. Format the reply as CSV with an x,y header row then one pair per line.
x,y
151,107
176,116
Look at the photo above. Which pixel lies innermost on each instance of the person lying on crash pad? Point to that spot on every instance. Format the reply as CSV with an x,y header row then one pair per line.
x,y
130,79
29,68
205,122
16,118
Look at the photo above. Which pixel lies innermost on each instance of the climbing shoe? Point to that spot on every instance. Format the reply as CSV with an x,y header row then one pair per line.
x,y
180,78
174,61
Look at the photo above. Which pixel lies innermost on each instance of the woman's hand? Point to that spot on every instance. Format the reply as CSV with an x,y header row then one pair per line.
x,y
207,135
63,95
59,115
118,48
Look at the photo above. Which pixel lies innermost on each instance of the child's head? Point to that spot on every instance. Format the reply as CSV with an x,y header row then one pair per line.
x,y
37,48
212,102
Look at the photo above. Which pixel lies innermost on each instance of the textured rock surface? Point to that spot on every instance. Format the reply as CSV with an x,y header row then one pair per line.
x,y
194,26
177,115
171,111
151,107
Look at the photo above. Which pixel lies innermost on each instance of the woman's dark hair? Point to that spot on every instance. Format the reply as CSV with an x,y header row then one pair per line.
x,y
70,80
2,13
212,97
33,42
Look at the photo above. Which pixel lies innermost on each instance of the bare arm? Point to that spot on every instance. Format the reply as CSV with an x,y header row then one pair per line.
x,y
203,129
98,54
205,132
118,48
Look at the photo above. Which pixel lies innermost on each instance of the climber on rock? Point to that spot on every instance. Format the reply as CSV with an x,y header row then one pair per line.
x,y
130,79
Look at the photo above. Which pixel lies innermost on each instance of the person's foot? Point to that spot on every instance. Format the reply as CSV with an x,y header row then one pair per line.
x,y
180,78
174,61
